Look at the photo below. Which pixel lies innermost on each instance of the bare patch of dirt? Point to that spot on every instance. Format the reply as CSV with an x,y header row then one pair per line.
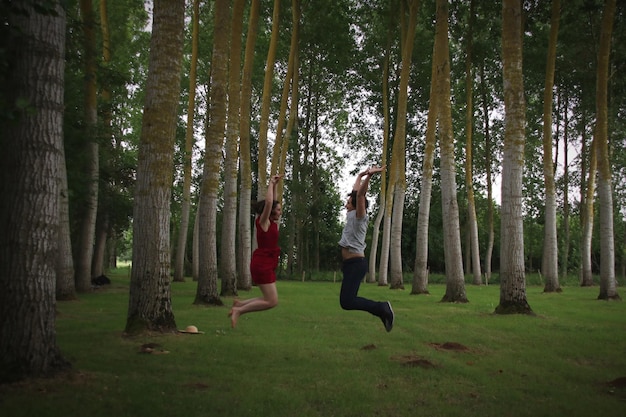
x,y
369,347
453,346
414,361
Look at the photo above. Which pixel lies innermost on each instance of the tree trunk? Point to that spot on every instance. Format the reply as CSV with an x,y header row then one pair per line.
x,y
65,285
512,274
420,271
566,184
92,166
29,182
550,264
587,212
150,304
266,100
491,234
181,245
244,281
398,173
474,248
608,283
228,257
455,280
206,292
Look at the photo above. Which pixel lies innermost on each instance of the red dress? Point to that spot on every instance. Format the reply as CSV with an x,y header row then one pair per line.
x,y
265,257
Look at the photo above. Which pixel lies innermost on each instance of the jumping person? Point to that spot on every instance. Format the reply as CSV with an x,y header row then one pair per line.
x,y
265,257
352,243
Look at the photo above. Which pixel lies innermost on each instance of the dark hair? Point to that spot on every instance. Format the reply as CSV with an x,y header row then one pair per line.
x,y
352,196
260,205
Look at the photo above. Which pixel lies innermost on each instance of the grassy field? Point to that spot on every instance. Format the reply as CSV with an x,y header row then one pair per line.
x,y
307,357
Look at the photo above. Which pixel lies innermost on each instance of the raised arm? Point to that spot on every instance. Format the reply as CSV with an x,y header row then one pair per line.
x,y
270,196
360,186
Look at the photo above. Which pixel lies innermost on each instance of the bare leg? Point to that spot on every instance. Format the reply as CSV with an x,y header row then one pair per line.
x,y
269,300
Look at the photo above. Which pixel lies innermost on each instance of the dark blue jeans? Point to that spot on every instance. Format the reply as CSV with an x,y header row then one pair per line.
x,y
354,271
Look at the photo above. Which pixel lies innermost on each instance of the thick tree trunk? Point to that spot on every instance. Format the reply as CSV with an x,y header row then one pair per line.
x,y
455,280
228,257
512,273
29,183
150,304
206,292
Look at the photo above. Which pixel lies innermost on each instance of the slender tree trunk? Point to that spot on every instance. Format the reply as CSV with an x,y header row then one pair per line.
x,y
371,276
608,283
550,265
566,184
150,304
512,274
420,271
29,182
474,248
266,100
181,245
455,280
92,167
490,226
398,174
65,285
228,257
206,292
587,211
245,165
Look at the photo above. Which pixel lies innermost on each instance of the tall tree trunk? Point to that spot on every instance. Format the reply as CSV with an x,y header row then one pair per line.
x,y
490,226
181,245
65,284
228,257
512,274
550,261
469,181
420,271
30,162
455,280
587,209
244,280
608,283
566,184
398,165
371,276
266,100
150,304
92,166
206,292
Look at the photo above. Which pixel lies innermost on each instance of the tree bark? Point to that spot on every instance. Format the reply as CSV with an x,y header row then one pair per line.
x,y
455,280
512,273
150,304
608,283
244,280
29,182
181,245
206,292
550,264
228,257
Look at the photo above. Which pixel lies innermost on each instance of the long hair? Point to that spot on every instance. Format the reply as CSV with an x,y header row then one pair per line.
x,y
352,196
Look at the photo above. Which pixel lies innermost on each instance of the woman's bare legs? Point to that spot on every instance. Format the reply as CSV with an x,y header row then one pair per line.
x,y
269,300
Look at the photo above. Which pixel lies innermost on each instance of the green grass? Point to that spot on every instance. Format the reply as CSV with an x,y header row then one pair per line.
x,y
307,357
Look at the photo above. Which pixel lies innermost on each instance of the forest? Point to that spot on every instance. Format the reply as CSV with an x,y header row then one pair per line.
x,y
143,131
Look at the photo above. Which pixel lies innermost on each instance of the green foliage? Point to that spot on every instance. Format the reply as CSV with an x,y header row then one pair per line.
x,y
309,358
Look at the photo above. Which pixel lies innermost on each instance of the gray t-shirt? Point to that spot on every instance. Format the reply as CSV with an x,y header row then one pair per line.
x,y
354,232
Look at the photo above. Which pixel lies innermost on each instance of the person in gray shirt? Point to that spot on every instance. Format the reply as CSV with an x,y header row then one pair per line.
x,y
352,243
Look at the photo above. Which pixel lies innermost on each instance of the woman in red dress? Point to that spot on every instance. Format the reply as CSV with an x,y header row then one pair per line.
x,y
265,257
